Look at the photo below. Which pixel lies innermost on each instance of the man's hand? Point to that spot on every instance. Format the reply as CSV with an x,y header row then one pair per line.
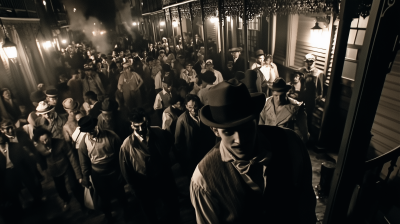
x,y
85,183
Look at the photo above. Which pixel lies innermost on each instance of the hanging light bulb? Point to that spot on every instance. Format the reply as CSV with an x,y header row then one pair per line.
x,y
214,20
64,41
44,2
134,23
47,45
10,48
162,23
174,23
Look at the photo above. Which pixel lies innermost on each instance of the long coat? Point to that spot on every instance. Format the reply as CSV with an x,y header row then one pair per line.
x,y
24,167
192,142
238,65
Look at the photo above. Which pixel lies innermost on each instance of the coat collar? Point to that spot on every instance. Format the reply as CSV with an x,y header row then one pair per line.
x,y
287,111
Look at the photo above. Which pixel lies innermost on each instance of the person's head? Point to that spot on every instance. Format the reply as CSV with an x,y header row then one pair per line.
x,y
88,124
157,62
52,96
177,102
189,66
144,54
122,54
279,90
193,104
5,93
150,61
235,52
71,106
232,114
107,109
166,69
127,67
207,78
162,53
139,121
181,59
90,97
268,59
209,65
167,84
42,136
196,36
309,60
230,65
63,78
150,45
7,127
296,76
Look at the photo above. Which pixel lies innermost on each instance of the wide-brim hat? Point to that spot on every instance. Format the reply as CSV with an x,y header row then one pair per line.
x,y
280,85
70,104
235,49
87,123
52,92
108,106
231,105
44,108
209,62
208,77
38,96
259,52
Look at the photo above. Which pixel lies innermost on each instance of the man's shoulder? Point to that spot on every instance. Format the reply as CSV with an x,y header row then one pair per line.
x,y
183,117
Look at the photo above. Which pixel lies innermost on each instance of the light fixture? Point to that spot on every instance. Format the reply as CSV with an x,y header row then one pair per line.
x,y
9,47
162,23
44,2
95,24
316,29
64,41
47,44
101,33
213,19
74,9
134,23
174,23
228,18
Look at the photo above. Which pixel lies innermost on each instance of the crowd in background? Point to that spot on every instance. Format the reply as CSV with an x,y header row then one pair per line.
x,y
83,130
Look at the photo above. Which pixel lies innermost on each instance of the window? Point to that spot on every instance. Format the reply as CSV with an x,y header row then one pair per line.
x,y
252,25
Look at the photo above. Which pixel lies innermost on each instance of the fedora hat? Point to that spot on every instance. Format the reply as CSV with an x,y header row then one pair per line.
x,y
52,92
280,85
208,77
44,108
70,104
250,80
231,105
235,49
87,123
209,62
108,106
38,96
259,52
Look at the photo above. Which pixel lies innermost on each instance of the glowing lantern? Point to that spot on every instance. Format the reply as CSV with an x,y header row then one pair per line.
x,y
10,48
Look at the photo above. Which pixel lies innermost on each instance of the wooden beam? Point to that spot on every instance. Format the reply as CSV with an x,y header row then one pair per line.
x,y
180,25
204,30
380,47
221,33
191,23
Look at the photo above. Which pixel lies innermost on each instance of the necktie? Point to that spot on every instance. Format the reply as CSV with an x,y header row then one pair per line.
x,y
243,166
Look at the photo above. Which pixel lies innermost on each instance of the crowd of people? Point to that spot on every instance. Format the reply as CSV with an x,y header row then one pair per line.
x,y
129,113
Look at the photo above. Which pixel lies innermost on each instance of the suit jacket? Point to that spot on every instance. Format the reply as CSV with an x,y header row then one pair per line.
x,y
60,158
292,116
24,167
192,141
238,65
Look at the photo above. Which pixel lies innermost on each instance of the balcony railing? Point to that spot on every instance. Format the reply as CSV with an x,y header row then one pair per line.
x,y
18,8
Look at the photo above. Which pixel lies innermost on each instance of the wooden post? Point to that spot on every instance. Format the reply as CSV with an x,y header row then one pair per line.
x,y
180,25
221,32
204,30
173,29
244,29
333,97
166,28
380,47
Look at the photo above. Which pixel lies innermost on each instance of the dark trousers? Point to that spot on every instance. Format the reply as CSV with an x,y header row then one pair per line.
x,y
61,186
309,107
107,187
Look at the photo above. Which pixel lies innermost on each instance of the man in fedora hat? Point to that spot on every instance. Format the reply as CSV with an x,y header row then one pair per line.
x,y
145,165
314,85
50,119
207,82
238,62
98,156
53,100
72,108
192,138
200,63
265,67
91,105
162,57
283,111
232,183
93,82
172,113
111,119
217,74
165,72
